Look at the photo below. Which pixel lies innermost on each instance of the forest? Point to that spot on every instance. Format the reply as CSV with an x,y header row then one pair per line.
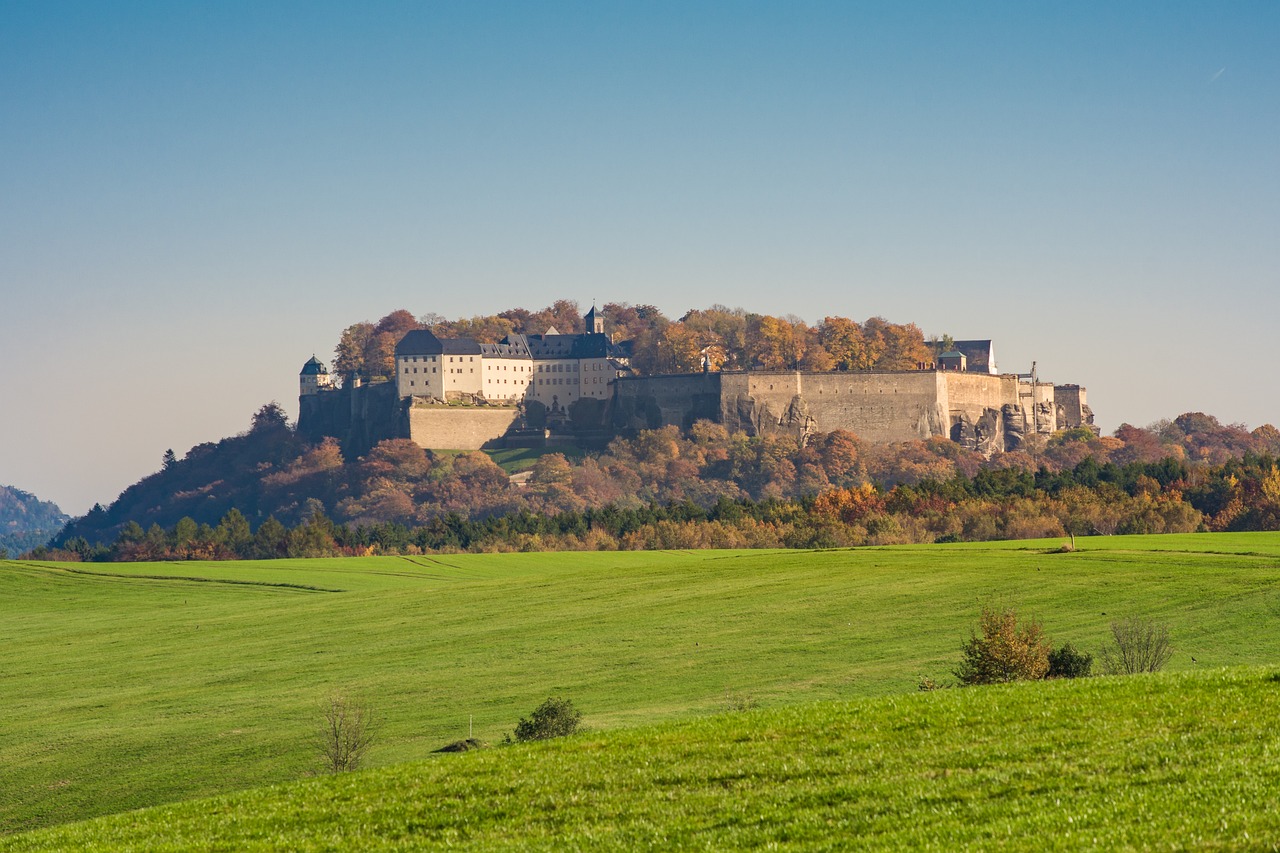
x,y
728,338
269,493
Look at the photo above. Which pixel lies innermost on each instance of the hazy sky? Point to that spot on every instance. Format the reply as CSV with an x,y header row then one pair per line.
x,y
194,198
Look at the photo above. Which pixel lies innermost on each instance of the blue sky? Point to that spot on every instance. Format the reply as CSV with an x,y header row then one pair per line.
x,y
196,197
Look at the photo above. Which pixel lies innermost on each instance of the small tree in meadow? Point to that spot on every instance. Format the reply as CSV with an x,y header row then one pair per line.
x,y
346,732
1141,645
553,718
1002,650
1066,662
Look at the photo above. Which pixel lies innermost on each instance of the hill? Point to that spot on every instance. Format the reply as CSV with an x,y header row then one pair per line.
x,y
26,521
1139,762
132,685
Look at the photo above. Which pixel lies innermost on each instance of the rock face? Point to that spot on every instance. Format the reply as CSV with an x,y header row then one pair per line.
x,y
985,434
1014,422
359,416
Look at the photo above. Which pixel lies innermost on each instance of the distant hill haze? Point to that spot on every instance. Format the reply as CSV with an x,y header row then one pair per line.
x,y
26,521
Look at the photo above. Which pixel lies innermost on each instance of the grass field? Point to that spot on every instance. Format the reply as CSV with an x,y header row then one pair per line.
x,y
514,459
1146,762
129,685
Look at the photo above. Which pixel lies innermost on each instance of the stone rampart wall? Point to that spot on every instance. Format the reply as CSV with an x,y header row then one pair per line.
x,y
650,402
876,406
456,428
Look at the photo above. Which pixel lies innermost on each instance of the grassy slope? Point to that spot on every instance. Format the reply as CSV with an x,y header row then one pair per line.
x,y
139,687
1176,761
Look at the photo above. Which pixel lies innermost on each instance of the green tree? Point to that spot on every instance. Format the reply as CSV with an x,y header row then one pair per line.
x,y
271,540
270,418
233,533
553,718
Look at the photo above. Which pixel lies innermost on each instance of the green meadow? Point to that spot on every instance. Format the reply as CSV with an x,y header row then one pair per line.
x,y
1180,761
133,685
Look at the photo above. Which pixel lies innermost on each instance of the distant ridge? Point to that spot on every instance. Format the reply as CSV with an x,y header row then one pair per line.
x,y
26,521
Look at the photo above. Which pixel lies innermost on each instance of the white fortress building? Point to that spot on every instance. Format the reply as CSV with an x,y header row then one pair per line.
x,y
552,369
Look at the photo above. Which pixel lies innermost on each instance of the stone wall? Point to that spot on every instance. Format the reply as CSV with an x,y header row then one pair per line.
x,y
978,410
458,428
650,402
359,417
1072,407
876,406
981,411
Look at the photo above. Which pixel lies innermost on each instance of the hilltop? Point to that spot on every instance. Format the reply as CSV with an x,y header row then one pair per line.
x,y
666,489
26,521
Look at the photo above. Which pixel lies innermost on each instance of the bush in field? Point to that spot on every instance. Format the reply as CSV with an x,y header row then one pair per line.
x,y
553,718
1002,650
1141,645
346,732
1066,662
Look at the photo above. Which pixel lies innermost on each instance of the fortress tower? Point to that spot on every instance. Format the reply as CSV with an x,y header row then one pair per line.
x,y
314,377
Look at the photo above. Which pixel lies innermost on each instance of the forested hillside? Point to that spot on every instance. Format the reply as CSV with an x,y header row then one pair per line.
x,y
269,493
26,521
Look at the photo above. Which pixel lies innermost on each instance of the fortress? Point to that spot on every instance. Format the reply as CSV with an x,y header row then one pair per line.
x,y
578,388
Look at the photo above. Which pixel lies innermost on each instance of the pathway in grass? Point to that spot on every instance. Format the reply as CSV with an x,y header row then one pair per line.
x,y
123,692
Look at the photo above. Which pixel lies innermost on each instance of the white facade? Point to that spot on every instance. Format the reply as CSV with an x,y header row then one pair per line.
x,y
506,378
553,369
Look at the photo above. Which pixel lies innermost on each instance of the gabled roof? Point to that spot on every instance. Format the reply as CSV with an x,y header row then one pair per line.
x,y
979,354
512,346
569,346
423,342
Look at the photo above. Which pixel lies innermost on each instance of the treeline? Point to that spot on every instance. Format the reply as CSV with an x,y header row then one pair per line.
x,y
727,338
714,490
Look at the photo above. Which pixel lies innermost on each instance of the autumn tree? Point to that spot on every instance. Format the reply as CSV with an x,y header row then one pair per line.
x,y
1002,650
816,357
380,346
676,350
724,329
842,339
348,356
904,347
774,343
626,322
563,315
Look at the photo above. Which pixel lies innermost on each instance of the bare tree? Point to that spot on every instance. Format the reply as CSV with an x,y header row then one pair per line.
x,y
346,733
1141,645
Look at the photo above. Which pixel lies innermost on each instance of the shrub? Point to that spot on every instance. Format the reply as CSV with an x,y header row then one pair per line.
x,y
553,718
1066,662
1141,645
345,734
1001,650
